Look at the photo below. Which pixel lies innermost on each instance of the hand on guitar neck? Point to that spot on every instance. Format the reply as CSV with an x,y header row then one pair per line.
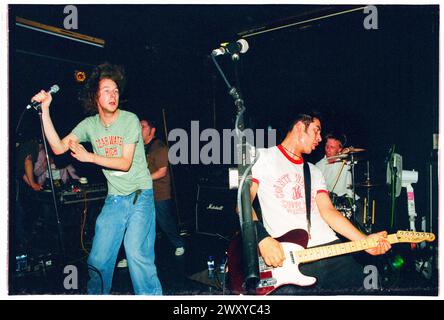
x,y
383,244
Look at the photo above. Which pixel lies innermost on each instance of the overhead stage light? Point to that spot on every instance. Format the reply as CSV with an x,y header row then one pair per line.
x,y
80,76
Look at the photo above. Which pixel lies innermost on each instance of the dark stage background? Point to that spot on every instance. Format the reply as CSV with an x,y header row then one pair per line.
x,y
380,87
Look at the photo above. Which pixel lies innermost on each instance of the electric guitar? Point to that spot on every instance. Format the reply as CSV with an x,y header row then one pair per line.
x,y
294,244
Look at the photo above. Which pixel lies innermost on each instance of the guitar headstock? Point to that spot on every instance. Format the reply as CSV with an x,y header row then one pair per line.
x,y
414,237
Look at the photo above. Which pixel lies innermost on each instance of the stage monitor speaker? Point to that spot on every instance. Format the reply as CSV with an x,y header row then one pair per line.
x,y
216,211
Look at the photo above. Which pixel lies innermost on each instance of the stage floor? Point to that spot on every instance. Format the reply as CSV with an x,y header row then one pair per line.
x,y
187,275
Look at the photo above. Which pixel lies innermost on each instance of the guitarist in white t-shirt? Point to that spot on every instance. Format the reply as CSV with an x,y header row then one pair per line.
x,y
278,181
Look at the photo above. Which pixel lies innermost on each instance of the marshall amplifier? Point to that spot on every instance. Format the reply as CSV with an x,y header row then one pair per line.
x,y
216,211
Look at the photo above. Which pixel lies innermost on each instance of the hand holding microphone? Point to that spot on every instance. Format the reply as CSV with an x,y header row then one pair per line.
x,y
43,98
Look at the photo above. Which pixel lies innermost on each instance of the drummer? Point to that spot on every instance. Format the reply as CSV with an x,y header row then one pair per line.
x,y
335,170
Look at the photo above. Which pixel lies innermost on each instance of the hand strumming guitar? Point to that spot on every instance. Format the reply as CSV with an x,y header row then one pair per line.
x,y
272,252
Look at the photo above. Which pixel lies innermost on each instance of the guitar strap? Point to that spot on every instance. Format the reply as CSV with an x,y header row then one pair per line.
x,y
307,184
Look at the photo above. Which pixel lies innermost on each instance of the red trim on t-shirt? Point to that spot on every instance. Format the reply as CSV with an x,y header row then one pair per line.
x,y
322,191
255,180
298,161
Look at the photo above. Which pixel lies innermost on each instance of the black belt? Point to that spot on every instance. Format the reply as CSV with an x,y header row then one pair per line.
x,y
136,195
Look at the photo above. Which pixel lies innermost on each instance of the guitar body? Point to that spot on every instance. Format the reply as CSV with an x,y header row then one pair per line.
x,y
270,278
294,244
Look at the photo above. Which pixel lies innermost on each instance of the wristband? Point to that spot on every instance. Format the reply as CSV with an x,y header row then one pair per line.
x,y
260,231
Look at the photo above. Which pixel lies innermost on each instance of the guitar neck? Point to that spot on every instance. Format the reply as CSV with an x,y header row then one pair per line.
x,y
333,250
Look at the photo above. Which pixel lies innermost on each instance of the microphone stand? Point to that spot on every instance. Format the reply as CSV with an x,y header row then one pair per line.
x,y
368,218
352,162
59,225
248,230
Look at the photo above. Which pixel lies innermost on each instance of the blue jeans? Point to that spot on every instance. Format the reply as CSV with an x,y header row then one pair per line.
x,y
135,224
167,222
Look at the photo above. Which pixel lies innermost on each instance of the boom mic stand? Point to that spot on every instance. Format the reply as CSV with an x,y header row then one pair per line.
x,y
248,230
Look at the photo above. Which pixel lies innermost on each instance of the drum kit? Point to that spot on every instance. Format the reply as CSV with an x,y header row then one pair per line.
x,y
348,206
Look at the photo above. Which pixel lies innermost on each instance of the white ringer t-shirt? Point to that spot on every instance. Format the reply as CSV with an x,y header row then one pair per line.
x,y
281,195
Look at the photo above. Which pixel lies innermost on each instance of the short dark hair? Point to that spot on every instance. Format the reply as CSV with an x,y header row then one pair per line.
x,y
342,138
88,94
150,122
305,118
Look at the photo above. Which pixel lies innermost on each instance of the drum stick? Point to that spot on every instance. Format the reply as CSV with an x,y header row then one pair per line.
x,y
339,174
373,212
365,209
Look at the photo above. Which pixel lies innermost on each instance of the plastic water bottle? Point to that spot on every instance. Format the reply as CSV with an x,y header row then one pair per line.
x,y
21,263
222,272
211,266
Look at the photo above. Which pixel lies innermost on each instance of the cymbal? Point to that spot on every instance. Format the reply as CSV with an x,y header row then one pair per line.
x,y
368,184
346,152
351,150
338,156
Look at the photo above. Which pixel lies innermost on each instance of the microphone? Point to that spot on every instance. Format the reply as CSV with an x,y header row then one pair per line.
x,y
240,46
34,104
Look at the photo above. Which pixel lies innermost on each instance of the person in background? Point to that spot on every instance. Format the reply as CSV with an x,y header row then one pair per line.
x,y
157,157
64,174
337,175
26,185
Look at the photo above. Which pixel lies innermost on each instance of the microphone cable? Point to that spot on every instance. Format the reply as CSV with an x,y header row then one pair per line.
x,y
221,72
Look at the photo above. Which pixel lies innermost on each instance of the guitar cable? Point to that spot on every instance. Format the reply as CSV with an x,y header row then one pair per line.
x,y
82,224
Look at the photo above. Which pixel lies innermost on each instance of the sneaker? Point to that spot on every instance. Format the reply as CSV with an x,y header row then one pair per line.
x,y
122,264
179,251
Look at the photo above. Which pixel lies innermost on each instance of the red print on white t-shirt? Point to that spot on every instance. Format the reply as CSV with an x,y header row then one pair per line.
x,y
297,192
288,189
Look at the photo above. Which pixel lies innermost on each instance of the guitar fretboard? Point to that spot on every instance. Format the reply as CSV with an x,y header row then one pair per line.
x,y
319,253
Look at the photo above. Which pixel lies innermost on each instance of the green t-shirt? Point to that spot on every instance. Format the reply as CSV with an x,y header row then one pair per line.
x,y
108,142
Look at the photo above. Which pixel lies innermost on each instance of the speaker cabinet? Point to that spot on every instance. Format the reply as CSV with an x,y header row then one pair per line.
x,y
216,211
